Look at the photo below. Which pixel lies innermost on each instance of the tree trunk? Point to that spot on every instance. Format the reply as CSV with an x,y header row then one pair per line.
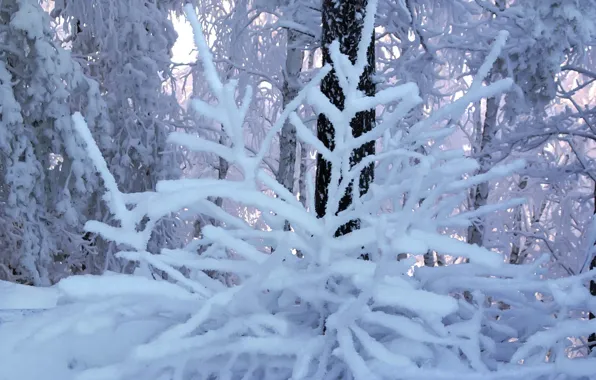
x,y
223,168
287,140
480,193
302,191
518,247
592,337
489,129
343,20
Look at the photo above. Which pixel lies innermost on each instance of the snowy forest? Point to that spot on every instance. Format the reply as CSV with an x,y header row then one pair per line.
x,y
297,189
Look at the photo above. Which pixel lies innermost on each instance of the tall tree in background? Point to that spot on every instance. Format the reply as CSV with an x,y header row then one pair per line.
x,y
126,46
294,15
46,178
343,21
287,139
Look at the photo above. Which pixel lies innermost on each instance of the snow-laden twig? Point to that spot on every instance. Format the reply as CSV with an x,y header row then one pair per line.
x,y
113,196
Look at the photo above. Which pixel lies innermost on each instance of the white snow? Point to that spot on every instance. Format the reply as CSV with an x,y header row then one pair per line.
x,y
23,297
95,287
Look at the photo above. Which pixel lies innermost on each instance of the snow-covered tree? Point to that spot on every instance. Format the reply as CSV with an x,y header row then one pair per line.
x,y
330,315
126,46
47,181
551,41
448,43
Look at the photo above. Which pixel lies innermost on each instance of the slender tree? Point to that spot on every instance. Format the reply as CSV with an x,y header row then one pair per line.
x,y
287,139
343,21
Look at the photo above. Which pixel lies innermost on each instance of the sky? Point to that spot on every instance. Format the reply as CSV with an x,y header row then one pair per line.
x,y
184,45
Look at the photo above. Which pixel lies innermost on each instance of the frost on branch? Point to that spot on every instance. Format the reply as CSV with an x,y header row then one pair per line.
x,y
330,315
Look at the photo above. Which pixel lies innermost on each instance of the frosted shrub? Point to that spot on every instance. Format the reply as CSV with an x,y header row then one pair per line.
x,y
331,315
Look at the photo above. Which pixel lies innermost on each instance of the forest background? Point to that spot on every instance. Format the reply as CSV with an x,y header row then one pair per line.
x,y
150,103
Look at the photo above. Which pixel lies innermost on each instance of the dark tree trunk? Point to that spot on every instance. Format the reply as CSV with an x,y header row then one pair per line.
x,y
343,20
592,337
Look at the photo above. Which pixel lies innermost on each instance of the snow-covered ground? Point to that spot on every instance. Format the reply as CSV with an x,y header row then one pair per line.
x,y
19,301
81,323
15,297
